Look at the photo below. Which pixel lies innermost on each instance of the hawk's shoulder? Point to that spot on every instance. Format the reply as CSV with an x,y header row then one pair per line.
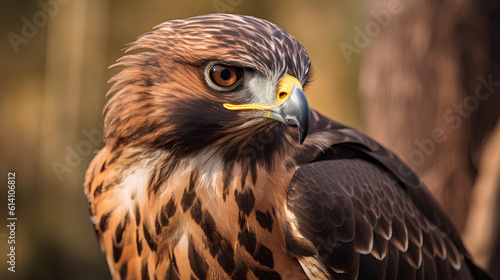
x,y
115,213
357,211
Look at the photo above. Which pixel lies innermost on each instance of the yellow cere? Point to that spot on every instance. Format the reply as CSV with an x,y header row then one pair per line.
x,y
285,87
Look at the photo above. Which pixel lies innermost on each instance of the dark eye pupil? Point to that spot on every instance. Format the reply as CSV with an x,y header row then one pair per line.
x,y
225,74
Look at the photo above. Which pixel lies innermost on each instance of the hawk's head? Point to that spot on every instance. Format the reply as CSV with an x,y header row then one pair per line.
x,y
211,81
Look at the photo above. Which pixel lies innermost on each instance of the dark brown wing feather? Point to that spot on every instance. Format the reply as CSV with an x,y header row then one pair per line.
x,y
369,216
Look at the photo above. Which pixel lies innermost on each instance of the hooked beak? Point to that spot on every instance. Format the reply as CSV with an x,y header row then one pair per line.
x,y
291,109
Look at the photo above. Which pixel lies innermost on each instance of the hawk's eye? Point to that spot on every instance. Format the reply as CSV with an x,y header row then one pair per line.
x,y
224,76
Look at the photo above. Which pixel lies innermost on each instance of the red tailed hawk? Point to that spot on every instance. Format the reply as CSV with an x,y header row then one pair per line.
x,y
207,172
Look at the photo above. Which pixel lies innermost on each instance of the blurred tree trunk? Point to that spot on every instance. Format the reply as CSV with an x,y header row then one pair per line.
x,y
74,79
430,84
485,206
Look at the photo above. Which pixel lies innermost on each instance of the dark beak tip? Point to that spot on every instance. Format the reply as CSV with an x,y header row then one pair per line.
x,y
303,131
301,139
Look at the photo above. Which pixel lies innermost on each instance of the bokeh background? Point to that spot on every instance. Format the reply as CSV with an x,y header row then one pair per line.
x,y
405,72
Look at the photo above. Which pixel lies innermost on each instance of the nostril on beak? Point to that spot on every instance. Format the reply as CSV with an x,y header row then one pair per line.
x,y
282,95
